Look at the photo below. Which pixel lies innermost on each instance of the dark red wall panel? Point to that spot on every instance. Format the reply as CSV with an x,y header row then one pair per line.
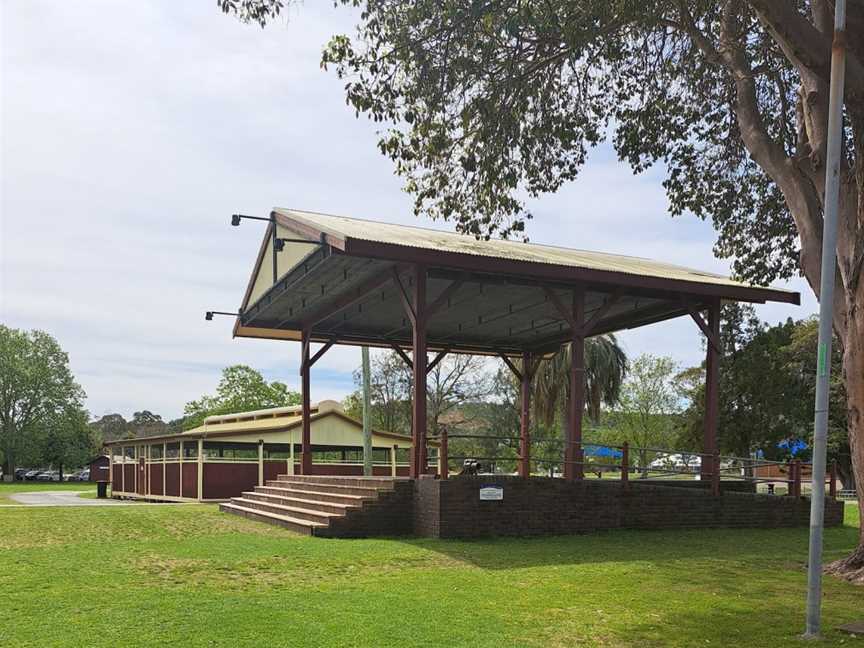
x,y
190,480
172,479
156,479
226,480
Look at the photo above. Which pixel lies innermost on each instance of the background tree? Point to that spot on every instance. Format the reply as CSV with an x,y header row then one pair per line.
x,y
241,389
455,383
112,427
146,423
648,403
390,385
490,101
759,405
36,384
800,357
67,440
767,387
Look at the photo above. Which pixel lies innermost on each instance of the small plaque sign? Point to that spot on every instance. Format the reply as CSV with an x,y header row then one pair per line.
x,y
491,492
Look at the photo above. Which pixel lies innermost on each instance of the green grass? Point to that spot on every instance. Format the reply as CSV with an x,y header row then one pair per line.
x,y
190,576
8,488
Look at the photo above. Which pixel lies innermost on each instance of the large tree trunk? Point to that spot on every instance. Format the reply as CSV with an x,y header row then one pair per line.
x,y
801,179
852,567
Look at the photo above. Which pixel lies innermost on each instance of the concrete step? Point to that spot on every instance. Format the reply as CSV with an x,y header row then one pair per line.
x,y
318,496
362,482
336,508
318,487
311,514
286,521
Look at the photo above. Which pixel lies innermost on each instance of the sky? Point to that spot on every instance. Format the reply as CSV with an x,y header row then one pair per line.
x,y
131,131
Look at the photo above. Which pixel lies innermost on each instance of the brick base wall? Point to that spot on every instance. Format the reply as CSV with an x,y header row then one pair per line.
x,y
545,506
452,508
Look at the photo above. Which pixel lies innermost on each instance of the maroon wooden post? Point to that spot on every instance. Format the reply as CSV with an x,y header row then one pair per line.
x,y
625,464
418,455
715,474
832,485
306,436
796,484
573,468
712,380
443,454
524,430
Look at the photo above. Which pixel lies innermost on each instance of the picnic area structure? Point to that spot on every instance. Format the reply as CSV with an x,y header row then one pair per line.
x,y
327,280
230,454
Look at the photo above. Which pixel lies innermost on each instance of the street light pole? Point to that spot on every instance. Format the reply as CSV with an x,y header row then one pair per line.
x,y
367,414
826,313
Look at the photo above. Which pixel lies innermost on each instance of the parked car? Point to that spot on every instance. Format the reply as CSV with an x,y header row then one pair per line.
x,y
48,475
84,475
20,472
31,475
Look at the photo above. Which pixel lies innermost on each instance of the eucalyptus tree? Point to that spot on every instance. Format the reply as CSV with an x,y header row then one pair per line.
x,y
485,102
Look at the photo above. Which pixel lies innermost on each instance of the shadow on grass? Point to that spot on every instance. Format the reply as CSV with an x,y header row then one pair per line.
x,y
624,545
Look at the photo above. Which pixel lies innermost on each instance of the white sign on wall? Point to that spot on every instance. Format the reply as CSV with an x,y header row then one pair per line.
x,y
491,492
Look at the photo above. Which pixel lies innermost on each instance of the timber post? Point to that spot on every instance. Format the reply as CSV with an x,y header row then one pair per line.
x,y
525,418
418,460
625,464
200,469
443,455
260,462
712,380
715,474
306,436
573,467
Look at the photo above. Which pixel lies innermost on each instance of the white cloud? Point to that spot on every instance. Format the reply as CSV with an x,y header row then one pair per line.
x,y
129,137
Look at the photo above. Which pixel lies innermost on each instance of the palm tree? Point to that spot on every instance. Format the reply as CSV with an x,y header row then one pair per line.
x,y
605,368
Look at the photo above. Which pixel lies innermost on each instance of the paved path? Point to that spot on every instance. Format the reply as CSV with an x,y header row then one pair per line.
x,y
62,498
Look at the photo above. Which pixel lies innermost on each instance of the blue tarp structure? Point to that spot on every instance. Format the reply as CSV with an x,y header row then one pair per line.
x,y
794,446
602,451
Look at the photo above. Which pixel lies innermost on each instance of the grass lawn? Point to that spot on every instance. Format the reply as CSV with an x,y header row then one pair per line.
x,y
190,576
7,488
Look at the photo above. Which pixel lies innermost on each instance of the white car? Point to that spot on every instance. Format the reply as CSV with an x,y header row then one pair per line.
x,y
676,462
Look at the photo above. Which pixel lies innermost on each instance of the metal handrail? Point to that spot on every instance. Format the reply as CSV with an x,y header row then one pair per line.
x,y
710,463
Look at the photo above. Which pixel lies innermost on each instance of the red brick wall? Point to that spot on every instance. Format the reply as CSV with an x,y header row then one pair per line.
x,y
544,506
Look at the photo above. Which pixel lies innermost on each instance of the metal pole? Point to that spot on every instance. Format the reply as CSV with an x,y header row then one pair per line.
x,y
826,314
367,426
274,235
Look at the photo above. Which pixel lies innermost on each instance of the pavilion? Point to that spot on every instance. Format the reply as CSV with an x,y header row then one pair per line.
x,y
322,279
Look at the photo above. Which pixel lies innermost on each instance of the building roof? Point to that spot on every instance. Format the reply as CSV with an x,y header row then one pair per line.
x,y
253,423
501,296
346,233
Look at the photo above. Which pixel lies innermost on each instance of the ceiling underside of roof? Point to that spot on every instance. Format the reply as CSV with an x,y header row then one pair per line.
x,y
356,300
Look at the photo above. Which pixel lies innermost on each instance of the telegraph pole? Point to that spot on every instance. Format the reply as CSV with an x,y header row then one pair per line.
x,y
826,313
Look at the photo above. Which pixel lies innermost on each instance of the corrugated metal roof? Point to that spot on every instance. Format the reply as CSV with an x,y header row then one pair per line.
x,y
344,228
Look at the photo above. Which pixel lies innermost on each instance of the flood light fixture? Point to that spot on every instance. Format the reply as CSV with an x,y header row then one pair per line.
x,y
209,314
235,219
